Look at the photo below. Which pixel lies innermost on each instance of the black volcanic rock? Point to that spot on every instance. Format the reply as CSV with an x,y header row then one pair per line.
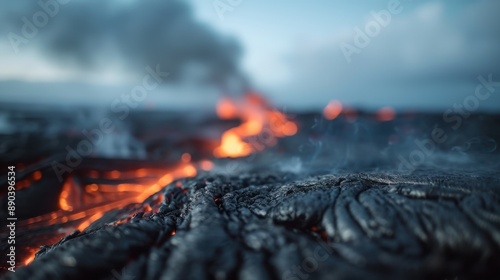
x,y
272,225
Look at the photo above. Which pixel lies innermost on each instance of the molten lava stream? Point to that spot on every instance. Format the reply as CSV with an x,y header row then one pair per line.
x,y
260,126
138,195
121,195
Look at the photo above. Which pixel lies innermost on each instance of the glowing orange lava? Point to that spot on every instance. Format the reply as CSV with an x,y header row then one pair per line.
x,y
206,165
63,198
37,175
332,110
30,258
81,204
258,119
226,109
87,205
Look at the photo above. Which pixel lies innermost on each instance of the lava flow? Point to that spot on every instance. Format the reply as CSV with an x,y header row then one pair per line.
x,y
260,127
80,204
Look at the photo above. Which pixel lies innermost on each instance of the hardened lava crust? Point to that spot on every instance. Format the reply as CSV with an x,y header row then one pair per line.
x,y
274,225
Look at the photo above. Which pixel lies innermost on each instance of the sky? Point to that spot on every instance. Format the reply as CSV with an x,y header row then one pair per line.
x,y
427,56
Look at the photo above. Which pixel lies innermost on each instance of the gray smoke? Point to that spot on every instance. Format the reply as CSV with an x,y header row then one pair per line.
x,y
89,34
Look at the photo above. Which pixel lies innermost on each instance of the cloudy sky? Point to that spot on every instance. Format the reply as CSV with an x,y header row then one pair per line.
x,y
427,56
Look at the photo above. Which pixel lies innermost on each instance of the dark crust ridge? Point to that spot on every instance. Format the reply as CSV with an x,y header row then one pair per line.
x,y
272,225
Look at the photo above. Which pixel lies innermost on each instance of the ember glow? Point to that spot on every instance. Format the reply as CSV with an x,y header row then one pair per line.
x,y
108,197
80,207
31,257
332,110
386,114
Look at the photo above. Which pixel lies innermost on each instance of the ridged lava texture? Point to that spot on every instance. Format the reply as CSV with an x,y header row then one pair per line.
x,y
276,226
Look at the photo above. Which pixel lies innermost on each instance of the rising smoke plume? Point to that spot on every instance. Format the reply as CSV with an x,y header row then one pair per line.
x,y
132,34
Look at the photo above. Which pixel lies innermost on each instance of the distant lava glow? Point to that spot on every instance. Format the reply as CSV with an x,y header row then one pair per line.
x,y
258,119
332,110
